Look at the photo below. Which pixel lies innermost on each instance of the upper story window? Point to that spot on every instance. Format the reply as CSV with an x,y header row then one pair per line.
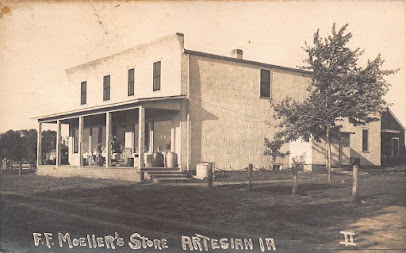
x,y
83,91
106,87
130,82
365,140
265,84
157,76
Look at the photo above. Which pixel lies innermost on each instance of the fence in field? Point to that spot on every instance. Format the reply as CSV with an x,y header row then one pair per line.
x,y
12,166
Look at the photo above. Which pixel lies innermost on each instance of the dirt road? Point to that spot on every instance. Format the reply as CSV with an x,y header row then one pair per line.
x,y
309,222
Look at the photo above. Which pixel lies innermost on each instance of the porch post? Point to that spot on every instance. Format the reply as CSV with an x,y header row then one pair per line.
x,y
108,139
58,142
132,138
184,124
80,146
91,140
134,128
141,136
173,141
151,137
188,141
39,144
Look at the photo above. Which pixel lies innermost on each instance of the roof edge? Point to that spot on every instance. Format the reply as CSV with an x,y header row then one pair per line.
x,y
107,106
228,58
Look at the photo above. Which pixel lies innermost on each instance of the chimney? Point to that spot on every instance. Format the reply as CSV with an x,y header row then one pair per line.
x,y
237,53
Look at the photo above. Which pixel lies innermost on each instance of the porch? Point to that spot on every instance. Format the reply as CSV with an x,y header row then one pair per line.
x,y
118,141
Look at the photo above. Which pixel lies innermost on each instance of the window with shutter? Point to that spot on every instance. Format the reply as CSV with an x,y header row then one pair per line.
x,y
265,83
83,91
157,76
130,82
106,88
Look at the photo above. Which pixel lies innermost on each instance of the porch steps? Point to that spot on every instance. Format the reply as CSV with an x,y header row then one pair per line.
x,y
165,175
152,169
170,180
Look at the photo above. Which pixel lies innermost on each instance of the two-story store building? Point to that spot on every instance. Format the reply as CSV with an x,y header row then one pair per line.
x,y
160,98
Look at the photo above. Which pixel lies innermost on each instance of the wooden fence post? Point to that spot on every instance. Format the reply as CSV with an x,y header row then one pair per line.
x,y
355,184
249,183
20,168
210,175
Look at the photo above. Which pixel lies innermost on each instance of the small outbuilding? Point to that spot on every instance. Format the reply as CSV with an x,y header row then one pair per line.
x,y
392,140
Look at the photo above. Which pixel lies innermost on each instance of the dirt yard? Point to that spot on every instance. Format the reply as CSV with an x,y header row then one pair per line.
x,y
309,222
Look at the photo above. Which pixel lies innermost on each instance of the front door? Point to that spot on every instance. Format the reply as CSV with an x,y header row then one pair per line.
x,y
344,152
395,148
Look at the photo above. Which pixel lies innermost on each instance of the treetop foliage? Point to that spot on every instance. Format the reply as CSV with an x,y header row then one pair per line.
x,y
339,89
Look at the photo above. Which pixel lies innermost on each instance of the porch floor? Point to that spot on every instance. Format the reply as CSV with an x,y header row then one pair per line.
x,y
119,173
155,174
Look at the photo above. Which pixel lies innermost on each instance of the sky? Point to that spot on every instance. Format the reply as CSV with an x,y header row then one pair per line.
x,y
39,40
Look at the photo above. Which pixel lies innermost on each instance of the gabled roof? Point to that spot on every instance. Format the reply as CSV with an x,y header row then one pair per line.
x,y
397,120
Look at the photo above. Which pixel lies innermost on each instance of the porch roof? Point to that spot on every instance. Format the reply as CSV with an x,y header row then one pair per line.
x,y
169,102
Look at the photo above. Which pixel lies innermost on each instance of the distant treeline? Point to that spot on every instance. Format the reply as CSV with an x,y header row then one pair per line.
x,y
21,145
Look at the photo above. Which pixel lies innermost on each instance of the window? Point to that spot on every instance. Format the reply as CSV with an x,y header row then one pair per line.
x,y
265,83
83,93
130,82
345,140
106,88
75,136
157,76
147,141
100,141
364,140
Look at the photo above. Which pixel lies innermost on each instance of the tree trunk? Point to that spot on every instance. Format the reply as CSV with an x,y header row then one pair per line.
x,y
355,188
328,155
294,187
